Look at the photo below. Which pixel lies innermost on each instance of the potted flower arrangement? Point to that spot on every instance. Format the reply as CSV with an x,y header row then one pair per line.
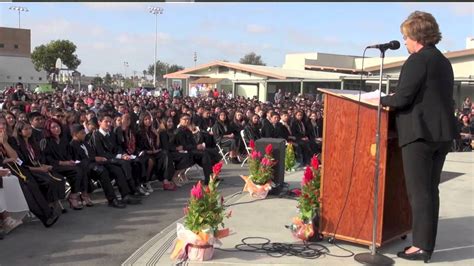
x,y
204,213
258,183
290,160
305,225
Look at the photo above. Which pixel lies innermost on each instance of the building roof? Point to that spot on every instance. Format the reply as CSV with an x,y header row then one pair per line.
x,y
449,55
270,72
206,81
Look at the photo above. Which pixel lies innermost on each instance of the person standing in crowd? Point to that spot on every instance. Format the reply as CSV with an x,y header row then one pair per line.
x,y
424,116
19,97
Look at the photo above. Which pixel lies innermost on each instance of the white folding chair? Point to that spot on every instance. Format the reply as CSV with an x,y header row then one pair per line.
x,y
223,154
247,148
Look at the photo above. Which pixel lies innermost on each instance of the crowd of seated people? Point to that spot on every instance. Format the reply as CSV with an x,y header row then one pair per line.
x,y
60,147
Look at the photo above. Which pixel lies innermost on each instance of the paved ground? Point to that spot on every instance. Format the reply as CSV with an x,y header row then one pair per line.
x,y
102,235
267,218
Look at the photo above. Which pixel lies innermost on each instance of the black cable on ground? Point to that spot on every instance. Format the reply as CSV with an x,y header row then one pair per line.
x,y
305,250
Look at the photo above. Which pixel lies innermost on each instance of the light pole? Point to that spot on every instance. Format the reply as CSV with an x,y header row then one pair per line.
x,y
125,64
155,11
19,9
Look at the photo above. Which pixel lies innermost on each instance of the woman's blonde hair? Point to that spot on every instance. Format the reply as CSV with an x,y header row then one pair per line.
x,y
421,27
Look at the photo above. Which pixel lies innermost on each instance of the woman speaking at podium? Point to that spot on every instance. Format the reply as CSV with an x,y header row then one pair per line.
x,y
423,104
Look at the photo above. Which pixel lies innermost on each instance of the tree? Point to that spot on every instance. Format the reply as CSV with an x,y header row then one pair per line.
x,y
44,56
107,79
252,59
163,68
97,81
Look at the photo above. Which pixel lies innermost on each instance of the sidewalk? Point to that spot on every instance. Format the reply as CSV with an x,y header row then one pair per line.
x,y
267,218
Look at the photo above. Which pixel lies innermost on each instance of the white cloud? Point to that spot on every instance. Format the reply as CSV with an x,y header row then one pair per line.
x,y
254,28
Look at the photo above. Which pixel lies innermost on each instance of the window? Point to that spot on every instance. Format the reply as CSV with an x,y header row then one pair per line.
x,y
16,46
8,77
40,78
2,45
19,78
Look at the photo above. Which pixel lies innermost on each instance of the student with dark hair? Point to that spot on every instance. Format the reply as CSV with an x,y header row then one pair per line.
x,y
51,183
93,165
36,120
55,149
105,146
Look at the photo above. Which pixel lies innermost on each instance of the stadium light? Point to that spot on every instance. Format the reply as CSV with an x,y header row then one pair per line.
x,y
19,9
155,11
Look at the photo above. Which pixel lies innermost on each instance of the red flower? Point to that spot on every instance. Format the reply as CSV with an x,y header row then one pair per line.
x,y
208,190
196,191
315,162
266,162
308,176
216,169
297,192
268,149
255,155
252,144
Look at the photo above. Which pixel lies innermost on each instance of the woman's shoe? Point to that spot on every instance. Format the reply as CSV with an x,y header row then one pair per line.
x,y
417,255
148,187
85,198
74,201
9,224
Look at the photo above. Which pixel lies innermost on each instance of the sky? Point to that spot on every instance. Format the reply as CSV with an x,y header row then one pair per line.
x,y
109,34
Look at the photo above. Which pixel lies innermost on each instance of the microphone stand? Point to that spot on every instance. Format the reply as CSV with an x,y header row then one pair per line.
x,y
374,258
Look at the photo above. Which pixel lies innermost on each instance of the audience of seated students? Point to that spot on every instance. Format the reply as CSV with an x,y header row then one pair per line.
x,y
101,138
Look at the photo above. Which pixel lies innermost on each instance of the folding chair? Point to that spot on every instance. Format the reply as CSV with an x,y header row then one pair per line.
x,y
247,148
221,152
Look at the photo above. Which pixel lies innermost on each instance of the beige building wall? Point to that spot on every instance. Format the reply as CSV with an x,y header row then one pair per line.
x,y
15,42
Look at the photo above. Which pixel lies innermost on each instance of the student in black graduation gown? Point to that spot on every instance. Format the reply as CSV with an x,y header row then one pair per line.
x,y
51,183
94,166
37,123
181,159
299,130
252,129
55,149
127,141
315,129
35,199
224,136
104,144
268,128
150,144
201,155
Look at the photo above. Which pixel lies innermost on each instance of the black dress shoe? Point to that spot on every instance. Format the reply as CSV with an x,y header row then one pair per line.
x,y
51,220
131,200
417,255
115,203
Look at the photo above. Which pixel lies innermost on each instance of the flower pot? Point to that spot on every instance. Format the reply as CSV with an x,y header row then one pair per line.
x,y
199,252
259,191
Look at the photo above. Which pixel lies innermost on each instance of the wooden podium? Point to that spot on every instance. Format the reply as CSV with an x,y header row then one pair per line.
x,y
349,168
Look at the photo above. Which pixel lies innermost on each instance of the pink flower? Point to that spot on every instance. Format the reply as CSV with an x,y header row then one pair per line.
x,y
308,176
297,192
196,191
266,162
216,169
268,149
255,155
315,162
252,144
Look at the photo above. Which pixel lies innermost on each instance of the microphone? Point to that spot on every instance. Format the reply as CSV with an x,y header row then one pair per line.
x,y
393,45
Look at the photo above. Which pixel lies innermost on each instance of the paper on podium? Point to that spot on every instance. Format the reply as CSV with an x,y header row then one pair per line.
x,y
372,95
